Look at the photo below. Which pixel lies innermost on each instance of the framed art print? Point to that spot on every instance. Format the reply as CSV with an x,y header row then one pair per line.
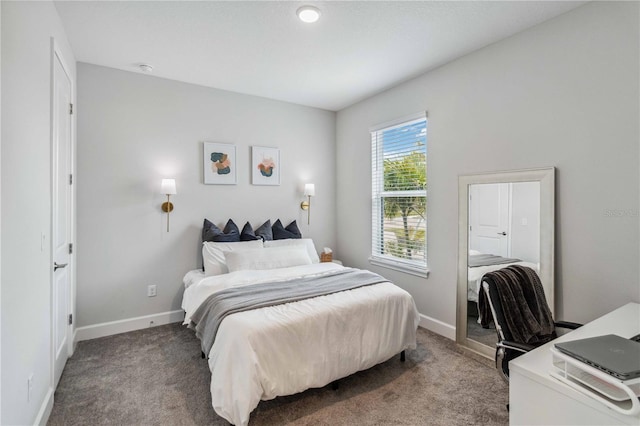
x,y
220,164
265,165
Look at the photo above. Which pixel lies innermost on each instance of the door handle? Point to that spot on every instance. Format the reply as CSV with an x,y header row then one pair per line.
x,y
57,266
502,233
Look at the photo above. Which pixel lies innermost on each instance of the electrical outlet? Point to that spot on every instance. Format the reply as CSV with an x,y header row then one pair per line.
x,y
29,387
151,290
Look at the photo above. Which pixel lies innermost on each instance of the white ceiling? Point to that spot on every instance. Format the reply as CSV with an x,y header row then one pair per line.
x,y
357,49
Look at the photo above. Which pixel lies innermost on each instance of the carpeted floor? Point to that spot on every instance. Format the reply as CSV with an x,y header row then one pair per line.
x,y
156,377
486,336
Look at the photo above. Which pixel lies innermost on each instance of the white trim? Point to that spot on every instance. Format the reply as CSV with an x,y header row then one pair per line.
x,y
45,409
74,342
130,324
57,56
510,218
417,270
72,199
437,326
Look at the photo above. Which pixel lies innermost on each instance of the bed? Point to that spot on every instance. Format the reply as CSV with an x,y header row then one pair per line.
x,y
282,349
482,264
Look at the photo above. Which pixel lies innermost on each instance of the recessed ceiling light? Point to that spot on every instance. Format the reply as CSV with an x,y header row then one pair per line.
x,y
308,14
145,68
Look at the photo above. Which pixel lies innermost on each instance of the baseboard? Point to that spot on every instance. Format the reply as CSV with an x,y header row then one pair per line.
x,y
45,409
123,326
438,326
138,323
75,341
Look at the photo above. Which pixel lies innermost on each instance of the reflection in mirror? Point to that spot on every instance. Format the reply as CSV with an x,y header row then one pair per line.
x,y
504,218
504,229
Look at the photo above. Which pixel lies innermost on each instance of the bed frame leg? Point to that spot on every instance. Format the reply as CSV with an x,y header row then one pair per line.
x,y
202,355
402,356
335,385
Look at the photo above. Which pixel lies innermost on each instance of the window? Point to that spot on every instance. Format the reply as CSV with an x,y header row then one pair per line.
x,y
399,192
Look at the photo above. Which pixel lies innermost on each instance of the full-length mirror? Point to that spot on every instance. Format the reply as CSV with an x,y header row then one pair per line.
x,y
505,218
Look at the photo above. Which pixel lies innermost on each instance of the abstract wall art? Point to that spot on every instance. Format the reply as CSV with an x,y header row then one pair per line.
x,y
265,164
220,166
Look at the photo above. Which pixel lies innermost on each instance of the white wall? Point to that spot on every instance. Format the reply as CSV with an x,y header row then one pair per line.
x,y
27,28
135,129
525,221
564,94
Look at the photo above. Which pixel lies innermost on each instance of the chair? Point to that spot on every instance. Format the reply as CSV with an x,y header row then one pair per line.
x,y
514,296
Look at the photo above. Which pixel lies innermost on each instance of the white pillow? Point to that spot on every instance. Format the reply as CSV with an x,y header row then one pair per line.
x,y
213,254
297,242
266,258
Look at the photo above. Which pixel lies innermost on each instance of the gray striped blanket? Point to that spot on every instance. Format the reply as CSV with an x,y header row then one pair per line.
x,y
208,317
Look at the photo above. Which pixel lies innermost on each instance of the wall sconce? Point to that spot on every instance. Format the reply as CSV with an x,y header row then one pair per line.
x,y
309,191
169,188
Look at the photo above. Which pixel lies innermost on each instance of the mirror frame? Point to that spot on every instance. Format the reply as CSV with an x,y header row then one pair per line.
x,y
546,177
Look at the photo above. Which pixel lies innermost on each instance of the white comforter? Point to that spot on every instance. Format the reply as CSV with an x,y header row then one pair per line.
x,y
285,349
475,275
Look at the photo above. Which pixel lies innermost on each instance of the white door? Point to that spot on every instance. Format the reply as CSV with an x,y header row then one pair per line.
x,y
61,211
489,218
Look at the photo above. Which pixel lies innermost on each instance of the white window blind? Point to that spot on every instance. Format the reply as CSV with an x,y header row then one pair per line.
x,y
399,192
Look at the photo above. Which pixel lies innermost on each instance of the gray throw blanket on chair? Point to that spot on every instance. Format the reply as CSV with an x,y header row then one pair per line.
x,y
207,318
525,308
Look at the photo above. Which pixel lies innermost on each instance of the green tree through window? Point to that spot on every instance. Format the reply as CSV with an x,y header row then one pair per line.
x,y
410,174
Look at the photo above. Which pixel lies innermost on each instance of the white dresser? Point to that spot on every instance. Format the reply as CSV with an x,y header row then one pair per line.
x,y
536,398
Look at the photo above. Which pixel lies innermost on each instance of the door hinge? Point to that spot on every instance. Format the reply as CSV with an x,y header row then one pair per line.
x,y
71,109
70,179
70,248
70,319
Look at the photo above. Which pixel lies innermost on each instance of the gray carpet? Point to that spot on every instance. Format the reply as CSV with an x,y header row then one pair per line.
x,y
485,336
156,377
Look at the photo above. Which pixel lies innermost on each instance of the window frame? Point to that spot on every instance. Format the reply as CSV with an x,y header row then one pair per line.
x,y
418,268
